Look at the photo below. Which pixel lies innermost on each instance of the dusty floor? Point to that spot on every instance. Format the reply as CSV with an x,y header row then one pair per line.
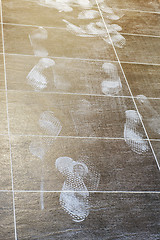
x,y
80,119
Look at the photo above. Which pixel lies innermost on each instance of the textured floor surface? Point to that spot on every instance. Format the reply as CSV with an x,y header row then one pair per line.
x,y
80,119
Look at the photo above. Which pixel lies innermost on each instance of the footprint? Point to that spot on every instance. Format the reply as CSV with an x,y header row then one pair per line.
x,y
117,39
132,136
37,39
92,179
82,116
50,125
37,77
74,197
89,30
112,85
78,31
88,14
153,119
61,6
108,12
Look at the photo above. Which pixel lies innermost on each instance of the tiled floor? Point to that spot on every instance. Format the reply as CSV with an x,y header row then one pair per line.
x,y
80,120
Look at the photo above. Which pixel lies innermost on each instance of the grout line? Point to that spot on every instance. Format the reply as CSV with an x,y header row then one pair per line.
x,y
129,88
77,94
30,25
135,10
66,58
63,28
15,229
81,59
105,191
69,93
139,35
76,137
72,137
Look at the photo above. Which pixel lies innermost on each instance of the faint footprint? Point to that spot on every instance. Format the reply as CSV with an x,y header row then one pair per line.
x,y
92,178
109,13
50,125
90,30
117,39
37,39
81,117
74,197
61,6
132,136
88,14
37,77
153,119
112,85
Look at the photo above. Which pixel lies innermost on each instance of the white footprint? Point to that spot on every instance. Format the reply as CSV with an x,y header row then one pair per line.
x,y
61,6
50,125
153,119
112,85
81,118
37,76
132,137
90,30
37,39
117,39
109,13
88,14
74,197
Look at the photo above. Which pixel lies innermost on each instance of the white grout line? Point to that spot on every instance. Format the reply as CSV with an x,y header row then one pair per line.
x,y
72,137
81,59
63,58
139,35
129,88
15,228
135,10
140,63
63,28
75,137
105,191
78,94
69,93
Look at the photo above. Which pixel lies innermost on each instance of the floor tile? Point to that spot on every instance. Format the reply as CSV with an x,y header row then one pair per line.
x,y
90,75
2,80
17,12
143,79
112,164
6,212
150,111
140,49
60,43
5,165
136,22
3,114
135,5
113,216
75,115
